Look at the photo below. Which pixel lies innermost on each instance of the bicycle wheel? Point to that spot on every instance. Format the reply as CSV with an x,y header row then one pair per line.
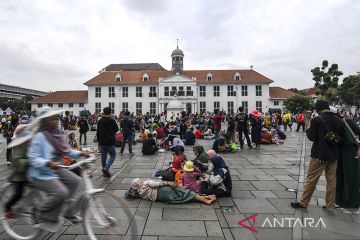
x,y
106,214
21,226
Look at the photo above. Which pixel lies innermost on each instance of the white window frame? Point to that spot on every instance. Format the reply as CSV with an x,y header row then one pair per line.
x,y
138,107
146,77
138,91
202,106
244,90
258,90
118,78
125,106
216,91
237,77
152,108
98,107
98,92
209,77
202,91
258,105
245,105
111,92
230,91
230,105
112,107
217,106
125,91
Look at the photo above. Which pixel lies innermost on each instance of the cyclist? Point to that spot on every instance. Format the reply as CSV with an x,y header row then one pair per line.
x,y
17,176
47,148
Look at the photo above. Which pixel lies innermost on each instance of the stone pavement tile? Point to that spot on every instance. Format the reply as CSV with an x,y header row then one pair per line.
x,y
175,228
165,205
289,184
225,202
263,194
275,171
265,177
155,213
233,218
221,218
213,229
273,234
256,172
242,234
107,237
321,234
267,185
283,205
264,166
255,206
246,177
356,217
149,237
64,237
242,185
189,214
227,234
283,177
337,226
142,213
144,203
284,194
190,238
242,194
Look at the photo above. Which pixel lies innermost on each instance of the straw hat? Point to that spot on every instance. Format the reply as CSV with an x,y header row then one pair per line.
x,y
21,135
189,166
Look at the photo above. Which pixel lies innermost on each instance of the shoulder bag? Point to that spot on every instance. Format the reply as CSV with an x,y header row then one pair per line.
x,y
356,138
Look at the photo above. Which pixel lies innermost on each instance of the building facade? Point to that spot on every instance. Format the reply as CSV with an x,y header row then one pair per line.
x,y
138,88
148,87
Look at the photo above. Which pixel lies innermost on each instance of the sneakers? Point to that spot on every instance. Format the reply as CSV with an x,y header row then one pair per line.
x,y
74,219
106,173
297,205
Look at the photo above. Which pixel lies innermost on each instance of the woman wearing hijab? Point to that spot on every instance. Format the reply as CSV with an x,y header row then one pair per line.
x,y
168,192
256,125
219,182
47,148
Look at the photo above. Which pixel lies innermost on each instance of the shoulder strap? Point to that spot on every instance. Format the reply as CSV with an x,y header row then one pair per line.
x,y
351,131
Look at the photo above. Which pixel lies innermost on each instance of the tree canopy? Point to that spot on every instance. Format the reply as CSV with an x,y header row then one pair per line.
x,y
349,91
326,80
298,103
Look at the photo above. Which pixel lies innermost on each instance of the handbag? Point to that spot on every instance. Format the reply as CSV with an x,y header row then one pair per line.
x,y
356,138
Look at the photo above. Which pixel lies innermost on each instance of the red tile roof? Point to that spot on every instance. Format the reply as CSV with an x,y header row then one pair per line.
x,y
134,67
280,93
64,97
219,76
310,91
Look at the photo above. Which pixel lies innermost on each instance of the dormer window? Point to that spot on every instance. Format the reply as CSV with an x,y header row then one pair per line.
x,y
209,77
145,77
237,76
118,78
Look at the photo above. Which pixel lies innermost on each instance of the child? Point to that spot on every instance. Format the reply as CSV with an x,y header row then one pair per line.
x,y
190,177
178,158
143,135
17,176
198,133
72,141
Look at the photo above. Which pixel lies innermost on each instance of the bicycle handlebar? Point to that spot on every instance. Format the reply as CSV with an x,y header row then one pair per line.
x,y
89,160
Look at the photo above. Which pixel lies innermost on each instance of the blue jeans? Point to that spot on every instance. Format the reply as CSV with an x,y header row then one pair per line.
x,y
104,152
129,139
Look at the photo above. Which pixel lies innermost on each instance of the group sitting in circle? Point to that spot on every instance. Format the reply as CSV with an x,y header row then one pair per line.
x,y
202,179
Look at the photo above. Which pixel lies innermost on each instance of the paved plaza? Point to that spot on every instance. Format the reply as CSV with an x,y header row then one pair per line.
x,y
261,183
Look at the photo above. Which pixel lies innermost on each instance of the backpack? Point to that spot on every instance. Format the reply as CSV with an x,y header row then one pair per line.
x,y
331,137
166,174
132,194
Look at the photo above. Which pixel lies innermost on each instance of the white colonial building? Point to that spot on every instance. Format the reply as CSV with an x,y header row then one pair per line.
x,y
148,87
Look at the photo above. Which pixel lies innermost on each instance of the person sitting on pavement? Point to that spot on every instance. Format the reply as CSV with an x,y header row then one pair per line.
x,y
168,192
176,142
178,158
149,146
198,133
219,182
201,159
190,177
190,137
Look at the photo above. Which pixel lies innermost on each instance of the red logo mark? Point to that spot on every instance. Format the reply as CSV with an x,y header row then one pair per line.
x,y
253,217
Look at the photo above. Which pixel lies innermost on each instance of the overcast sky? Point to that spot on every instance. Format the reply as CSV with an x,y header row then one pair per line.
x,y
58,45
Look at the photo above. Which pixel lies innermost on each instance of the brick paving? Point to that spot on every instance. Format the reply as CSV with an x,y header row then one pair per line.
x,y
260,182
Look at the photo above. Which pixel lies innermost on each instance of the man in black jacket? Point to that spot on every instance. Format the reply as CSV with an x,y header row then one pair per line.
x,y
83,129
105,133
242,120
127,128
326,131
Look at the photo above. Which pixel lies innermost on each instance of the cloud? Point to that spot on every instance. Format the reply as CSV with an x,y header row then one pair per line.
x,y
61,44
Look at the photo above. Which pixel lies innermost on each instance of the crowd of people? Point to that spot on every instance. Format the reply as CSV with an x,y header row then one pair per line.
x,y
37,148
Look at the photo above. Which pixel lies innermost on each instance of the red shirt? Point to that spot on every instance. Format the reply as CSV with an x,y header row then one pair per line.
x,y
217,121
177,161
198,134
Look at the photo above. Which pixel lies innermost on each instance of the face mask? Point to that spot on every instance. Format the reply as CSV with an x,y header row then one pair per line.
x,y
210,166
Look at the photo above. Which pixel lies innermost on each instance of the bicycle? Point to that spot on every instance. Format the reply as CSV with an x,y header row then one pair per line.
x,y
102,213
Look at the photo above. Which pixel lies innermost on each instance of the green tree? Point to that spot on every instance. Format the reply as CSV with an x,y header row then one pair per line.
x,y
349,91
298,103
326,80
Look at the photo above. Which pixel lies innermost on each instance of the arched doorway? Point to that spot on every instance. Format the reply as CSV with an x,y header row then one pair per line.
x,y
188,108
